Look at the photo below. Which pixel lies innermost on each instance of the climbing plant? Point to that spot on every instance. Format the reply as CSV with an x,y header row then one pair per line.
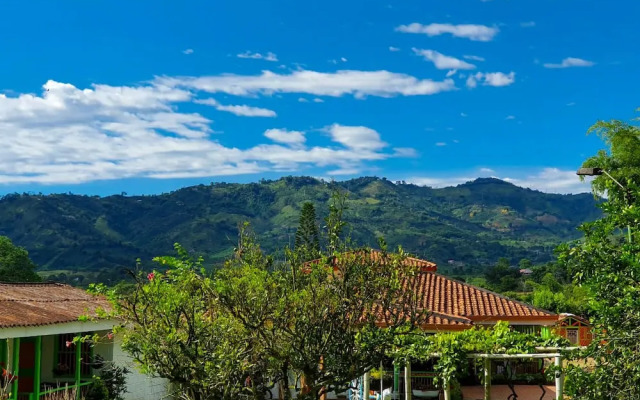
x,y
451,349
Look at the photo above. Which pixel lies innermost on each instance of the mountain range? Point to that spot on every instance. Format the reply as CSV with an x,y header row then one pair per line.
x,y
469,225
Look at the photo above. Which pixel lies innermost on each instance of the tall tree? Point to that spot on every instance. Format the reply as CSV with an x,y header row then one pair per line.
x,y
15,264
307,237
607,263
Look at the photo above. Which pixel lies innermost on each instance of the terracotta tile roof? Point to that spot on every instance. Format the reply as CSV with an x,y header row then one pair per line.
x,y
34,304
444,295
378,256
453,304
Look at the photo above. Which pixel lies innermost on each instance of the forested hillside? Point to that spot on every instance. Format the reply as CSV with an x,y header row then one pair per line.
x,y
466,226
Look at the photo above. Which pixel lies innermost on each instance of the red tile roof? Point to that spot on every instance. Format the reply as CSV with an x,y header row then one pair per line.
x,y
35,304
454,305
440,294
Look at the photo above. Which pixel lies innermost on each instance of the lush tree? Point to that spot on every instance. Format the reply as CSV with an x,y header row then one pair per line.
x,y
607,262
15,264
257,322
175,328
502,277
314,319
307,238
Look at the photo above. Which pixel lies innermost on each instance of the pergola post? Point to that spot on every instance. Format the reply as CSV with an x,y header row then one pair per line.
x,y
487,378
447,390
396,380
559,378
15,367
407,381
365,385
37,368
381,378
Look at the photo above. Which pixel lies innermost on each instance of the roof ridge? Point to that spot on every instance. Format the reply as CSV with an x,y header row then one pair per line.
x,y
493,293
34,284
42,301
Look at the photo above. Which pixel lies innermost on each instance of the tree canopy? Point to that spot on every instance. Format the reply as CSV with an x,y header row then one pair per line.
x,y
607,263
15,264
311,326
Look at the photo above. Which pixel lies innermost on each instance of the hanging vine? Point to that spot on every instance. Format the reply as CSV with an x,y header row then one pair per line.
x,y
451,349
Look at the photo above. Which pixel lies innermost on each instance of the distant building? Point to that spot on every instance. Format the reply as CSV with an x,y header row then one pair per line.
x,y
526,271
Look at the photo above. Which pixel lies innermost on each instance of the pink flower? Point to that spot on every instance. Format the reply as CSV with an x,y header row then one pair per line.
x,y
151,276
68,344
110,335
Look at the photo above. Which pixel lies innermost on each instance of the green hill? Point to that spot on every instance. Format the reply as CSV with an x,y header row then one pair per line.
x,y
473,224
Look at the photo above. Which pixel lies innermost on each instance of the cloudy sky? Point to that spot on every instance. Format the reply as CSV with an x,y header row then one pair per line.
x,y
102,97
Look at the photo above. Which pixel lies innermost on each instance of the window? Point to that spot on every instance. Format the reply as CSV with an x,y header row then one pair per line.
x,y
572,336
66,356
530,329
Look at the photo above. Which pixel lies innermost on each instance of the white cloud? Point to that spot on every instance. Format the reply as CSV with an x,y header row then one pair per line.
x,y
528,24
471,82
480,33
187,51
302,100
440,144
259,56
463,114
356,137
550,180
441,61
473,58
451,73
391,48
345,82
499,78
294,138
242,110
73,135
510,117
570,62
570,104
491,79
318,100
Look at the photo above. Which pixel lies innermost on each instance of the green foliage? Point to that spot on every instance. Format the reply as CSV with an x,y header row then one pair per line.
x,y
99,237
607,263
15,264
256,321
307,237
502,277
176,329
97,391
451,349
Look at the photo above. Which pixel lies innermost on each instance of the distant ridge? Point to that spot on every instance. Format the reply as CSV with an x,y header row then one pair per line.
x,y
473,223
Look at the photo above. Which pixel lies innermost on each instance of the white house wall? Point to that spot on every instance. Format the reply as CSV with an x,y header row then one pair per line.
x,y
139,386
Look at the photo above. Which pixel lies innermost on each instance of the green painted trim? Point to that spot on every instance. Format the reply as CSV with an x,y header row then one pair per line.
x,y
15,366
37,373
4,352
78,372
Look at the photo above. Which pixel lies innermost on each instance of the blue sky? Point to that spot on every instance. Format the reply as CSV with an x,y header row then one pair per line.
x,y
103,97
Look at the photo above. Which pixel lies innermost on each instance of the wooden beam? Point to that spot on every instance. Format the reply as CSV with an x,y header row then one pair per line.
x,y
407,381
559,379
487,379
